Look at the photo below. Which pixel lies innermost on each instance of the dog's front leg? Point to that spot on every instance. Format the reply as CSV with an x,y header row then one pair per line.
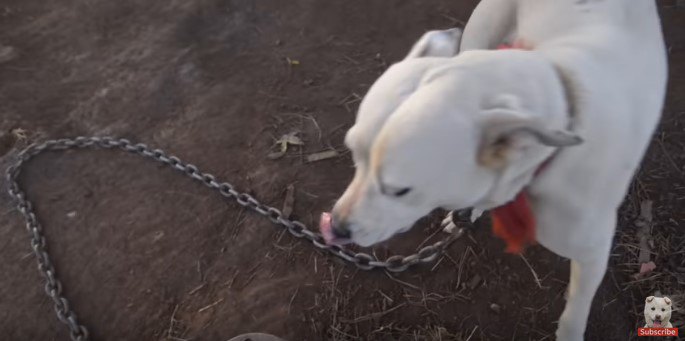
x,y
585,279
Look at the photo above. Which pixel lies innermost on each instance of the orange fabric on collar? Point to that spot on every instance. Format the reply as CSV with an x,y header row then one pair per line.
x,y
514,222
517,44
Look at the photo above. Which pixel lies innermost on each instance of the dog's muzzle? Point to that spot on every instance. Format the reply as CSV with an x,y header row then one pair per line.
x,y
334,231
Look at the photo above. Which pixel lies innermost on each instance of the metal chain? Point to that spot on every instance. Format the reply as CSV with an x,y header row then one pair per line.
x,y
53,287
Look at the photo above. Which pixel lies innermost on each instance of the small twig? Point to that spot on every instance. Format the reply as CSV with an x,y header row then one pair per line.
x,y
293,299
249,279
437,263
535,275
626,284
316,124
472,332
669,158
461,267
386,296
373,315
172,321
428,238
229,284
211,305
402,282
197,288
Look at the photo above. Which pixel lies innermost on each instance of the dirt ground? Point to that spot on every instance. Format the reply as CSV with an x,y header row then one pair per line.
x,y
146,254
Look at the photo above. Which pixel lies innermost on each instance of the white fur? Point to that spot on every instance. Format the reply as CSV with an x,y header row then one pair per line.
x,y
597,72
658,309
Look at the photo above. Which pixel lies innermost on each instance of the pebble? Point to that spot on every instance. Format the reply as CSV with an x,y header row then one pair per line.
x,y
474,282
7,53
496,308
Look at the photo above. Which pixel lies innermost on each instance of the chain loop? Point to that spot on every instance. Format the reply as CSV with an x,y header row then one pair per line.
x,y
363,261
53,287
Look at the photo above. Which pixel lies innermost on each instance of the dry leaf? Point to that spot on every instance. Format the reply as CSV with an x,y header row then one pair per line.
x,y
20,134
285,141
289,201
275,155
322,156
291,138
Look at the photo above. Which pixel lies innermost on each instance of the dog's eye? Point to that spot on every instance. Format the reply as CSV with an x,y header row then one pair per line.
x,y
402,192
653,308
663,309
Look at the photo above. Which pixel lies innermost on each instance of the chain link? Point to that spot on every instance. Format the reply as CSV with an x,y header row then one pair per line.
x,y
53,287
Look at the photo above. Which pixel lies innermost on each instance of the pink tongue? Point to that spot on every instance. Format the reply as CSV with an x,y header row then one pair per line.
x,y
657,324
326,227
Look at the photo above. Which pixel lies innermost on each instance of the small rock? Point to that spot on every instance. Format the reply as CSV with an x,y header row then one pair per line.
x,y
158,236
71,215
7,53
496,308
474,282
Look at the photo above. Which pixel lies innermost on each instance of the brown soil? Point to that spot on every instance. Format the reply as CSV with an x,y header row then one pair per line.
x,y
145,254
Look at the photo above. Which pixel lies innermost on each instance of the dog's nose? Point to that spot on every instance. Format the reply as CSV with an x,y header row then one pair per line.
x,y
658,317
341,229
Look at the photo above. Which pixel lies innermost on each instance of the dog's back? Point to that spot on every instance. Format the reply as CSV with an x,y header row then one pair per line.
x,y
551,20
611,54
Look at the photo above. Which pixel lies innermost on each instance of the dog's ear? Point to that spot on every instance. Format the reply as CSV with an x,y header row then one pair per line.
x,y
506,127
667,300
649,299
443,43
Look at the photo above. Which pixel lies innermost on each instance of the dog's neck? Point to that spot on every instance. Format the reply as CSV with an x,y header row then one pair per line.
x,y
513,219
510,182
564,79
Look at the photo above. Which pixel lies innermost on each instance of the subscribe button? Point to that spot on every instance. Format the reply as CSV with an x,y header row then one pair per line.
x,y
657,332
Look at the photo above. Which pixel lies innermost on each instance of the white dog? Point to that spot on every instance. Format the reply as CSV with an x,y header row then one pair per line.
x,y
582,96
658,312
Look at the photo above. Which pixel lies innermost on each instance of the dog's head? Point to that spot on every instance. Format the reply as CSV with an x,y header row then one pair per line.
x,y
658,311
438,131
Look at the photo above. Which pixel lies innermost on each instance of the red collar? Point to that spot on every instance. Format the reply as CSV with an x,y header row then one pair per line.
x,y
514,221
